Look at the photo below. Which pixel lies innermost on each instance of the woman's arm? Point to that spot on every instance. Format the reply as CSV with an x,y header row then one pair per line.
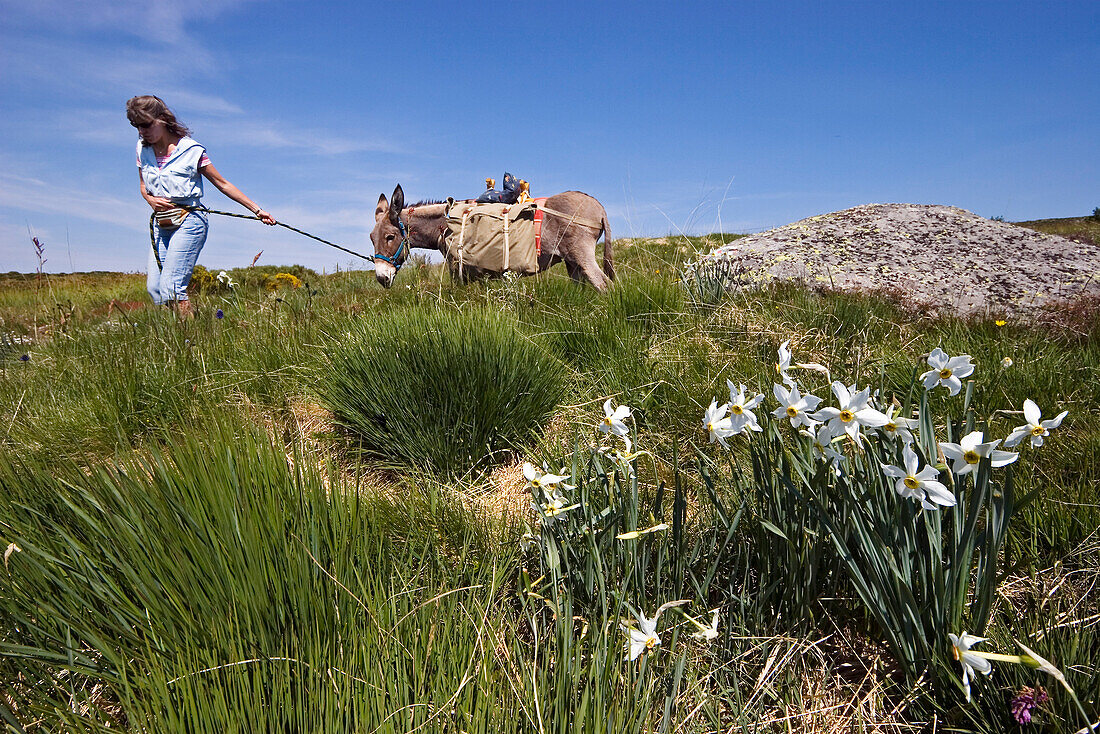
x,y
159,203
214,177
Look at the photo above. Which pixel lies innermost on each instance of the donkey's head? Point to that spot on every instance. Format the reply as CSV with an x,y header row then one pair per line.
x,y
390,237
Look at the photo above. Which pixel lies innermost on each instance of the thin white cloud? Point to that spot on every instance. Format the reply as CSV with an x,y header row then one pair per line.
x,y
160,20
34,195
246,131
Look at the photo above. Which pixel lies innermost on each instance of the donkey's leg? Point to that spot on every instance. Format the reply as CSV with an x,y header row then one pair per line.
x,y
590,270
574,271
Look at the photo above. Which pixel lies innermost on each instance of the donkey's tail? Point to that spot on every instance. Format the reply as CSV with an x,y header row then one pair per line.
x,y
608,264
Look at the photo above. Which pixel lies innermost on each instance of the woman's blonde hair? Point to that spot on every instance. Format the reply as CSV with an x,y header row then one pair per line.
x,y
147,108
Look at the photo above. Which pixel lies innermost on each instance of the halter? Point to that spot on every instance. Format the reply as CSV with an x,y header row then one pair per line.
x,y
402,248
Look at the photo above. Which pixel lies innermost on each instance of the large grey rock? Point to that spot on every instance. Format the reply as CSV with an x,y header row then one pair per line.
x,y
940,258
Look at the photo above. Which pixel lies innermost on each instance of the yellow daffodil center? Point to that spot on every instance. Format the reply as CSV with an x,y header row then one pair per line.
x,y
945,373
912,482
792,411
972,457
1038,430
954,652
736,409
847,416
890,427
651,642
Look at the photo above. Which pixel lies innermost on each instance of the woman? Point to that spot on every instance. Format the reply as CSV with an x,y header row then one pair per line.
x,y
171,167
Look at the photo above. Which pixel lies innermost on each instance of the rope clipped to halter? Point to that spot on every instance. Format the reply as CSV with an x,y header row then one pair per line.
x,y
204,210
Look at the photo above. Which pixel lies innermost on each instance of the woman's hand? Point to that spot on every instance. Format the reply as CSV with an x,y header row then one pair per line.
x,y
159,203
265,217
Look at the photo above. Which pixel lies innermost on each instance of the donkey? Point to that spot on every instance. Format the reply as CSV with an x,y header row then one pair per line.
x,y
397,229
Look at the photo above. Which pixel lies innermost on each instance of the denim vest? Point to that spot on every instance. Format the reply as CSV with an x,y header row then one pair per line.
x,y
179,179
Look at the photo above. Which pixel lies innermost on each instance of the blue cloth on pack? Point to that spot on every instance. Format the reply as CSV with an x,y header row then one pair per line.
x,y
510,194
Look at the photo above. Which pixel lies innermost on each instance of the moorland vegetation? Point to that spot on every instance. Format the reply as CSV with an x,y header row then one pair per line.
x,y
521,505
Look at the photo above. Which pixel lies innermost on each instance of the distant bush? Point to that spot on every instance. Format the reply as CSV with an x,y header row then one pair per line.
x,y
1096,213
258,275
202,281
282,280
441,390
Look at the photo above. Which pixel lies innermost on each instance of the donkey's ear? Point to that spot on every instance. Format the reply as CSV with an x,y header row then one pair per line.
x,y
397,204
380,210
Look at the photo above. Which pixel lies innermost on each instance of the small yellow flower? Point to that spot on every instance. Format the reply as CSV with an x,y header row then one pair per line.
x,y
1000,322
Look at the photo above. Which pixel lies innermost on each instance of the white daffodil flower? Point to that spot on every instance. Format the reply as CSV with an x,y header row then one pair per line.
x,y
539,479
709,632
794,405
225,279
555,506
946,371
740,407
784,364
645,637
823,446
622,459
854,411
969,452
527,541
971,663
897,427
642,639
1034,427
613,419
717,424
1006,363
921,486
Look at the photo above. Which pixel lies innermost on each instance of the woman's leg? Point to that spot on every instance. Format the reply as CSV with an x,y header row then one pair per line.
x,y
152,269
182,254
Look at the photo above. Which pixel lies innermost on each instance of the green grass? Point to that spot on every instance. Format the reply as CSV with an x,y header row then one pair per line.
x,y
192,559
1086,229
440,390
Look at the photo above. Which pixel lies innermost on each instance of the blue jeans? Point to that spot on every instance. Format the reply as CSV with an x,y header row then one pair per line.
x,y
179,251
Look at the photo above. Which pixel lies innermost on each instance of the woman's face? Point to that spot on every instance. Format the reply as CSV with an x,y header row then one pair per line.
x,y
151,132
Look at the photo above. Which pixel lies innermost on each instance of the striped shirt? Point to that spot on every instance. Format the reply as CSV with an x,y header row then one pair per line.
x,y
204,161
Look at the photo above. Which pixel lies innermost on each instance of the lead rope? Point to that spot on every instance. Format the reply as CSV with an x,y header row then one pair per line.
x,y
156,254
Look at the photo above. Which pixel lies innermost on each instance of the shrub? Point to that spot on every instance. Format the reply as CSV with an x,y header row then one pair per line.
x,y
1096,213
258,275
202,281
281,280
441,390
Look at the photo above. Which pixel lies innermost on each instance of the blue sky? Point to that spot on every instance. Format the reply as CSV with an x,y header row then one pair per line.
x,y
690,117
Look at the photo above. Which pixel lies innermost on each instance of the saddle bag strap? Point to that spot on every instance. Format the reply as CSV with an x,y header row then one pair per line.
x,y
462,237
506,248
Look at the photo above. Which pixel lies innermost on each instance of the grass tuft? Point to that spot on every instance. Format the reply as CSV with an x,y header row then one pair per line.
x,y
441,390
